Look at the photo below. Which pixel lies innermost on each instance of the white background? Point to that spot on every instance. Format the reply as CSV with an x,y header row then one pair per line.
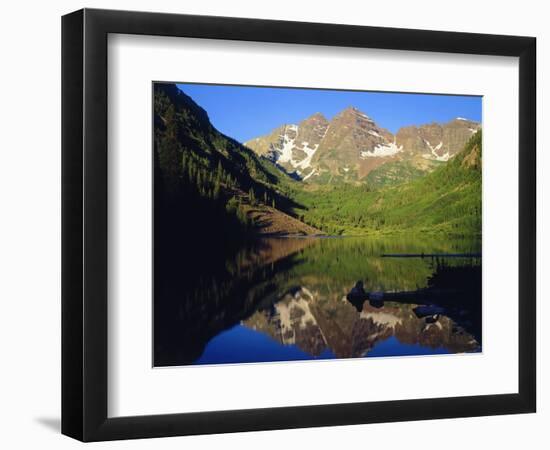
x,y
135,389
30,225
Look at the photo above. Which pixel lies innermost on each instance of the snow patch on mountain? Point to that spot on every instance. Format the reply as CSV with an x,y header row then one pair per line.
x,y
309,151
313,172
382,150
286,149
434,155
284,152
364,116
374,133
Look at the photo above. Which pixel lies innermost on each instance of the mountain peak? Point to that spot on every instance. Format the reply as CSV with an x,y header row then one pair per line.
x,y
352,111
318,115
349,109
463,121
317,118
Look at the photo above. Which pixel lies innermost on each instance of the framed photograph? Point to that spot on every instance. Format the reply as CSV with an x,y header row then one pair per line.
x,y
273,224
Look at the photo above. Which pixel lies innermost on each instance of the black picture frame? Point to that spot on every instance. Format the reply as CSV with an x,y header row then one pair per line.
x,y
84,224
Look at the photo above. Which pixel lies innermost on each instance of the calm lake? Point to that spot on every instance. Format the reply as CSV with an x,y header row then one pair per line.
x,y
286,299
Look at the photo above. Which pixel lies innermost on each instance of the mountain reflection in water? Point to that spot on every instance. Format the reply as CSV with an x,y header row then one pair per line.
x,y
284,299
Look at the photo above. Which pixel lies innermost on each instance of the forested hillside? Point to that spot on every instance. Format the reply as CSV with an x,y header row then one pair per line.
x,y
446,200
206,182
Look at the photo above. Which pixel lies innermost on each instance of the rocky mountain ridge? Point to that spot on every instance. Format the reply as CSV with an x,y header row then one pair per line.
x,y
352,147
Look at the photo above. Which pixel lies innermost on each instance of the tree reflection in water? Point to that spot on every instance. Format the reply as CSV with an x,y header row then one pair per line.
x,y
297,291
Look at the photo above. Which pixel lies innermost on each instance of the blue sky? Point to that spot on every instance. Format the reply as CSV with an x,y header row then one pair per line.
x,y
243,112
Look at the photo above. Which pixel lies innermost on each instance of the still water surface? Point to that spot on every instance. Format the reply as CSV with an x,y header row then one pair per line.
x,y
287,299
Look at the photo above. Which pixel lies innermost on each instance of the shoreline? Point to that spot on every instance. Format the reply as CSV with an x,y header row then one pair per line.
x,y
371,235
